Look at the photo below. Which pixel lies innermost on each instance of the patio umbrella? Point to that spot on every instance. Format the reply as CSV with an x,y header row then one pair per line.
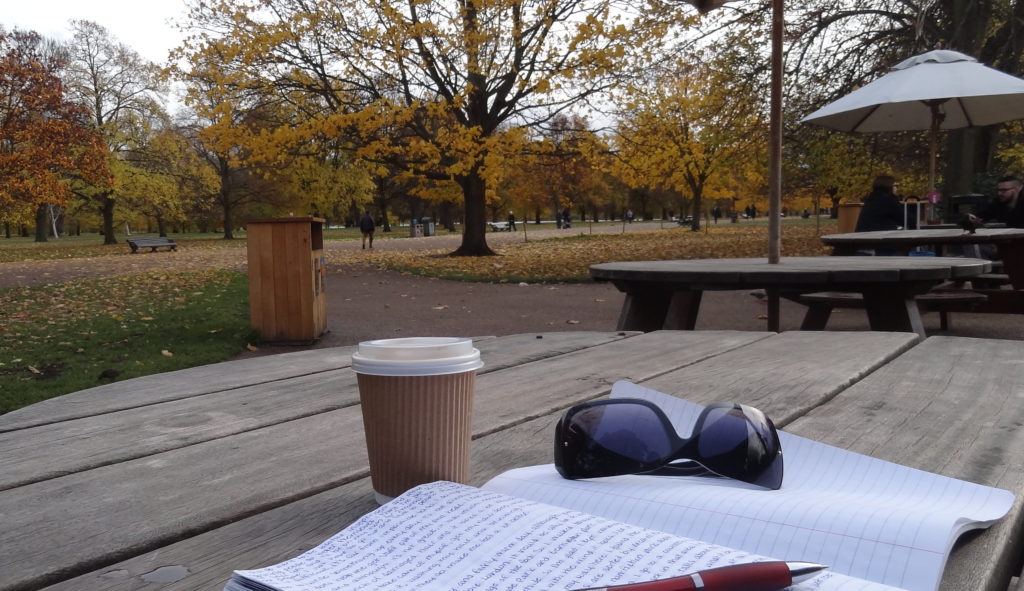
x,y
941,89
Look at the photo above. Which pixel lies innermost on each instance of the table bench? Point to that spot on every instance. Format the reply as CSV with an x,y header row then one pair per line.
x,y
667,294
500,226
191,474
820,304
151,243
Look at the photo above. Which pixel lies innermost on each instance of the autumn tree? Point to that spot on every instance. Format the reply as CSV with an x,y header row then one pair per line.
x,y
117,87
44,141
461,79
689,124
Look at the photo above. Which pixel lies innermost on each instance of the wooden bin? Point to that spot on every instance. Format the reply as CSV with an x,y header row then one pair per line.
x,y
286,279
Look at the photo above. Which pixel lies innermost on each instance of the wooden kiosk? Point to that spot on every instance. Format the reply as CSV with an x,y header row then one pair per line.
x,y
286,279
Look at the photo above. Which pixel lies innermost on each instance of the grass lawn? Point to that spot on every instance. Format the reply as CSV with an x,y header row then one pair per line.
x,y
60,338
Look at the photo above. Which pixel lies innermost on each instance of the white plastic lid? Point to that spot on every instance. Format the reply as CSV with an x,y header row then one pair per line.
x,y
416,356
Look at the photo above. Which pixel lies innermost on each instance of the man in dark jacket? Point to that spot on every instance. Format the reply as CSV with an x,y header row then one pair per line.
x,y
882,209
1007,207
366,226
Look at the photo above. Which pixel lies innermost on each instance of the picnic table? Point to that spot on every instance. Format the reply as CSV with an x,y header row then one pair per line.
x,y
180,478
667,294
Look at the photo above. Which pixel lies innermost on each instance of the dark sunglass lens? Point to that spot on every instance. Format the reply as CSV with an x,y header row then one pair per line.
x,y
740,442
611,439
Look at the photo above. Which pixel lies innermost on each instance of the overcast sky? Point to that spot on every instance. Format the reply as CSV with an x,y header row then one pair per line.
x,y
140,24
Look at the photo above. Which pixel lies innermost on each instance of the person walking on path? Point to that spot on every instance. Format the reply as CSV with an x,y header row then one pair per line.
x,y
511,222
366,226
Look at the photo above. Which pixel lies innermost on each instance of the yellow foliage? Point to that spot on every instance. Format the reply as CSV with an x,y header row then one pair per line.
x,y
563,259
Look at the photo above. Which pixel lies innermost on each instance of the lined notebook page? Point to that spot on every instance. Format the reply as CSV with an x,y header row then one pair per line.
x,y
450,537
864,517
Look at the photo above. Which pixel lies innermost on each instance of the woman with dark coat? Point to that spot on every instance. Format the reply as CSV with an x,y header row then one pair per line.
x,y
882,209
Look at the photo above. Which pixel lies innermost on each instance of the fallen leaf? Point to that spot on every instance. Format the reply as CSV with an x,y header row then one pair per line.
x,y
762,317
572,321
34,370
440,307
600,300
251,347
166,353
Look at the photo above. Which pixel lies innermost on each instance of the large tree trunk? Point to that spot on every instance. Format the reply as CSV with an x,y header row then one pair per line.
x,y
41,230
474,236
229,222
108,221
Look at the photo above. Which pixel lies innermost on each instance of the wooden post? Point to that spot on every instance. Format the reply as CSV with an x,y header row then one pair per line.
x,y
775,141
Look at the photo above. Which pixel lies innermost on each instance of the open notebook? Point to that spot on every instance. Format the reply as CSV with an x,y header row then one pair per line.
x,y
878,525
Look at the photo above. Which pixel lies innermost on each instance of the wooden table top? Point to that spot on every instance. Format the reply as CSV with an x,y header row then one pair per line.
x,y
758,272
185,476
923,236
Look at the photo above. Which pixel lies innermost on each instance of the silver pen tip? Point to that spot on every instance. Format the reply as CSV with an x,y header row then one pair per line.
x,y
801,571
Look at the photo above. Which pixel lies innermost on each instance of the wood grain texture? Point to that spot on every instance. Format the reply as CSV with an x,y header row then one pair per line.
x,y
755,372
787,375
107,438
259,496
951,406
175,385
140,504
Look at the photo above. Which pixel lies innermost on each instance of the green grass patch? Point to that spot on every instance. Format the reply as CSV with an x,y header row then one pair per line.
x,y
60,338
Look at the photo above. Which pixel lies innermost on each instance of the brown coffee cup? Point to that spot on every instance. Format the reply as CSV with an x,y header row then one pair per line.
x,y
417,401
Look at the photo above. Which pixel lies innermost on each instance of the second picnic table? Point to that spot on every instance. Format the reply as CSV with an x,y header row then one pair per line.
x,y
667,294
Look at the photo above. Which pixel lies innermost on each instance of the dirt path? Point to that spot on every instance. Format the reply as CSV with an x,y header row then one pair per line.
x,y
365,303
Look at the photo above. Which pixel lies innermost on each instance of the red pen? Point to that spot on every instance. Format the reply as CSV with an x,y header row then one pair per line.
x,y
752,576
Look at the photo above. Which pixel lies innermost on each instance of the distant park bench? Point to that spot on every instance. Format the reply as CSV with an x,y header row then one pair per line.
x,y
499,226
152,243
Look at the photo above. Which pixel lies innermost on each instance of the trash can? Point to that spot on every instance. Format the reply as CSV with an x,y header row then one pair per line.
x,y
415,229
428,226
286,279
848,214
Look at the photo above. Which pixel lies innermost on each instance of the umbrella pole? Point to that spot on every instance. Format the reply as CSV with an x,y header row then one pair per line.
x,y
933,148
775,143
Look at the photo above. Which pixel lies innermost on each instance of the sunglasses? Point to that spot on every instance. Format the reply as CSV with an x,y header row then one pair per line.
x,y
633,436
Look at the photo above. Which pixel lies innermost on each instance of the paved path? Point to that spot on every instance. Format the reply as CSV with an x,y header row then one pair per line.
x,y
364,303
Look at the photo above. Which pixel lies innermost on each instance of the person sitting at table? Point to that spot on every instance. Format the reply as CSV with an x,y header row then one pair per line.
x,y
882,209
1007,207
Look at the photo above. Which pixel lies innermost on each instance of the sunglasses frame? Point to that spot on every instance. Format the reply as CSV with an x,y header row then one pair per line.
x,y
575,456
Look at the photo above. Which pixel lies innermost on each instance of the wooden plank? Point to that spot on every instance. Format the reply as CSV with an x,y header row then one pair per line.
x,y
207,560
139,505
952,406
109,438
766,373
176,385
787,375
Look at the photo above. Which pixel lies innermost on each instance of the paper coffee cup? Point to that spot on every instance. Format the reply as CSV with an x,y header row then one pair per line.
x,y
417,401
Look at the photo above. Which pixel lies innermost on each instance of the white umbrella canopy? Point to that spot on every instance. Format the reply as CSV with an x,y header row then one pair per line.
x,y
941,89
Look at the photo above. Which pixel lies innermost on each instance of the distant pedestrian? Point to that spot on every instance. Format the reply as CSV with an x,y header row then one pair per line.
x,y
716,212
511,222
566,218
366,226
629,215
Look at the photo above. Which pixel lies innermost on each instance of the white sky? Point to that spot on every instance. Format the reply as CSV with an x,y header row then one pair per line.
x,y
143,25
